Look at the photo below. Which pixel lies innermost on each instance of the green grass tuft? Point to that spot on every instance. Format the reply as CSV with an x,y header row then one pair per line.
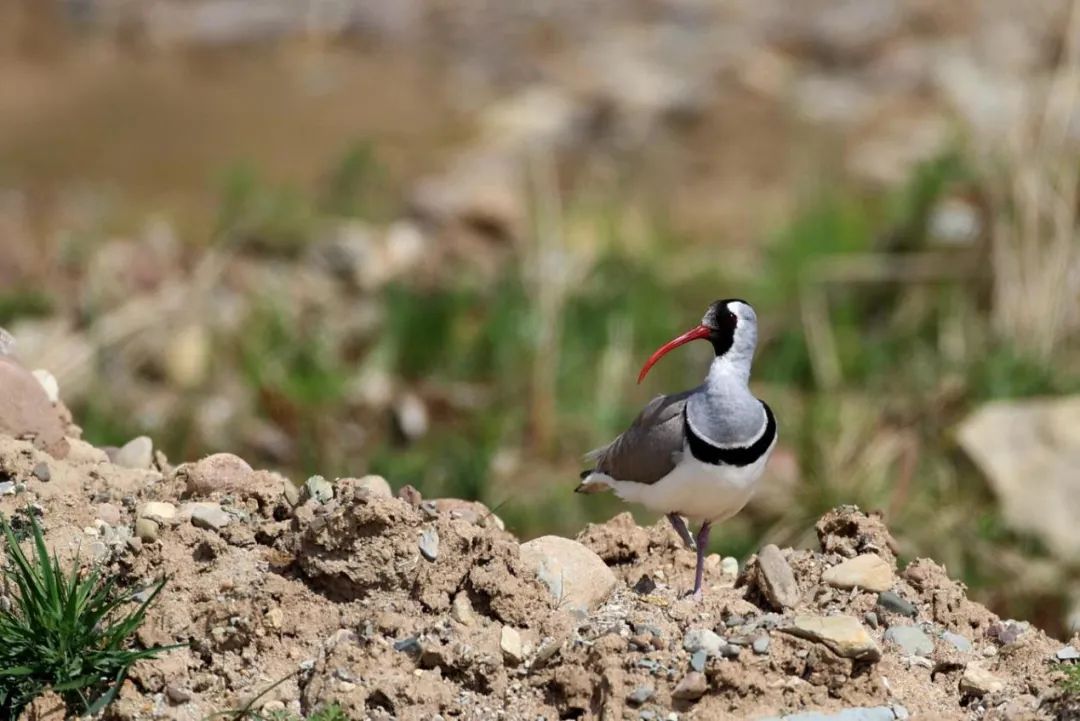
x,y
68,631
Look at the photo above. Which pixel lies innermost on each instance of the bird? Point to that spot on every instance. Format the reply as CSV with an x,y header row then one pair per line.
x,y
700,453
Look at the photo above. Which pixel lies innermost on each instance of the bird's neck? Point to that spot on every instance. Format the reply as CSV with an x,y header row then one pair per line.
x,y
727,372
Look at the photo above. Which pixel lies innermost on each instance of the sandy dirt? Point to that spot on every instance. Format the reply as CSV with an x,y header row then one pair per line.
x,y
400,608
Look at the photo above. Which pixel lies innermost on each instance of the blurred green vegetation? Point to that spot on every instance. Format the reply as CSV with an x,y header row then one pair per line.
x,y
913,358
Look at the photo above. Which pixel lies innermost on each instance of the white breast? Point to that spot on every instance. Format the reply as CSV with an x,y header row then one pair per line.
x,y
699,491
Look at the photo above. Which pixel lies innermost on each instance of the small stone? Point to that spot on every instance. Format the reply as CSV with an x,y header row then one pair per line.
x,y
146,529
99,551
177,695
977,681
640,695
291,491
319,489
697,661
376,486
461,609
647,715
220,472
135,544
409,644
867,571
962,644
42,473
775,578
7,488
702,639
692,687
871,619
429,544
574,575
890,601
729,566
158,511
760,645
645,585
430,509
109,513
275,618
730,650
48,383
912,639
1067,653
901,713
136,453
410,495
844,635
210,516
511,645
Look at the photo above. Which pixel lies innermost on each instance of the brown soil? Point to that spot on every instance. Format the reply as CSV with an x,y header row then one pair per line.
x,y
337,599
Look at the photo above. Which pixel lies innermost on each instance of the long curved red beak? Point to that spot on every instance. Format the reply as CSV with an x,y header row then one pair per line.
x,y
693,334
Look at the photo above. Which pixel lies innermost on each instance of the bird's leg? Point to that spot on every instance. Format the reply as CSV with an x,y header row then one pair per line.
x,y
680,527
702,544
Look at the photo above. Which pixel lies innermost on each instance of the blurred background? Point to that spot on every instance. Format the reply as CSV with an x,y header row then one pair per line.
x,y
436,239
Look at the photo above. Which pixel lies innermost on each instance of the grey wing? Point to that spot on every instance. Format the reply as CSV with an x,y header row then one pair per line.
x,y
649,449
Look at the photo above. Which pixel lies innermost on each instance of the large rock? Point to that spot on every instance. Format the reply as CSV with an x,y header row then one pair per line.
x,y
27,412
844,635
867,571
1030,450
219,472
576,576
775,579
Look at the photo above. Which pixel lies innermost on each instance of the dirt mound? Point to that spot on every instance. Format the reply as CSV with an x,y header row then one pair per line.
x,y
411,609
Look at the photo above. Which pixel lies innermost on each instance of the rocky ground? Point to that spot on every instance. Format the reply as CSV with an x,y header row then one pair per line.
x,y
394,606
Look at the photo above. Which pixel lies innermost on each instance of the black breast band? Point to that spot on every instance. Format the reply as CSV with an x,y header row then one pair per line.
x,y
738,456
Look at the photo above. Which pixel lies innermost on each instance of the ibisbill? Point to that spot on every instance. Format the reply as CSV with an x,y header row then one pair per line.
x,y
697,454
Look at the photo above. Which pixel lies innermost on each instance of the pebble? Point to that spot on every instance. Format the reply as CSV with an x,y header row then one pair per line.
x,y
136,453
730,650
761,645
977,681
640,695
843,634
146,529
647,715
692,687
210,516
575,576
135,544
1067,653
7,488
776,579
109,513
376,486
410,644
510,643
729,566
291,491
890,601
99,551
960,642
461,609
702,639
697,661
275,618
158,511
867,571
177,695
42,473
217,472
912,639
319,489
871,619
429,544
645,585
